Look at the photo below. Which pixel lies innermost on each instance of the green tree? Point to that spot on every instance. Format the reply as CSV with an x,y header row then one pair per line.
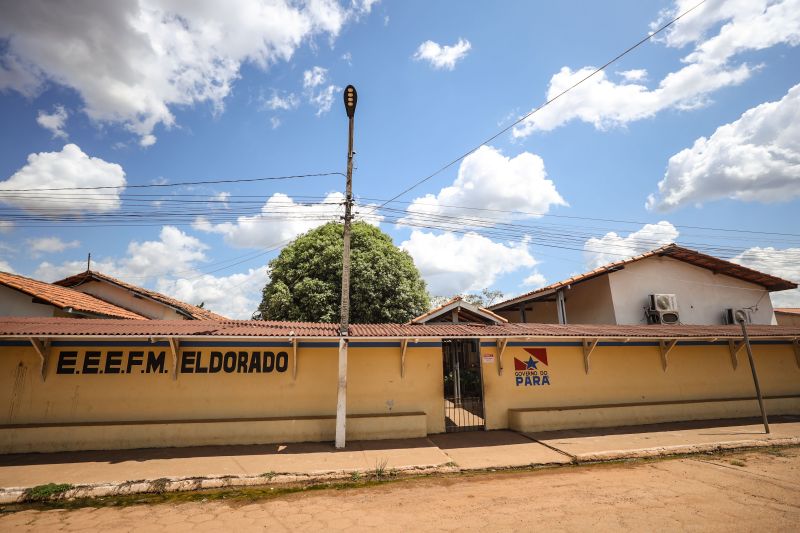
x,y
306,279
483,299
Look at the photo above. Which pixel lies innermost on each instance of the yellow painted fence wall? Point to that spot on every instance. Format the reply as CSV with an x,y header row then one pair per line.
x,y
126,405
626,385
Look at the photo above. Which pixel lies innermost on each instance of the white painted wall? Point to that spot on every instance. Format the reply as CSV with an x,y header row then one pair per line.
x,y
590,302
702,295
123,298
16,303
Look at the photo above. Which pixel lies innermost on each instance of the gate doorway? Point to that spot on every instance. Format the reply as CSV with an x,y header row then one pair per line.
x,y
463,385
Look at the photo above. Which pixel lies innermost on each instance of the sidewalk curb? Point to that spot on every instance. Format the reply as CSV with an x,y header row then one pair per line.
x,y
182,484
663,451
12,495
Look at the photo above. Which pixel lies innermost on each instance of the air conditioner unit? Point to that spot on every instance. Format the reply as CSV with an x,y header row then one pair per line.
x,y
663,309
730,314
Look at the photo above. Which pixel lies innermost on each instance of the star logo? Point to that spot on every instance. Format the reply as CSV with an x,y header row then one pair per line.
x,y
531,364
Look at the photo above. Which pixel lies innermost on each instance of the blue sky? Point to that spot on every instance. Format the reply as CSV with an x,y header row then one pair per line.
x,y
692,137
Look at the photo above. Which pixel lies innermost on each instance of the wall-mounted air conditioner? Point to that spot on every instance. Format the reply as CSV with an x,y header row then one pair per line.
x,y
729,316
663,309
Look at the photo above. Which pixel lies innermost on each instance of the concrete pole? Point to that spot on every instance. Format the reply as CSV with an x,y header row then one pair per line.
x,y
350,97
755,375
341,398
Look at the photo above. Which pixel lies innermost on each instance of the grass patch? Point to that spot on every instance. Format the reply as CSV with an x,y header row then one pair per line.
x,y
737,462
44,493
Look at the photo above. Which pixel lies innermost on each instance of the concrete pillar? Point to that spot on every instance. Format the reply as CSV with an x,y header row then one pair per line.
x,y
341,398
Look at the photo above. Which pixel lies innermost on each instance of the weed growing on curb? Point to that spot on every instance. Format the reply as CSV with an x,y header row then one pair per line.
x,y
355,477
43,493
159,486
380,468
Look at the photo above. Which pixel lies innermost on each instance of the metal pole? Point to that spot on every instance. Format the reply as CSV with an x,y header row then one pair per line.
x,y
755,375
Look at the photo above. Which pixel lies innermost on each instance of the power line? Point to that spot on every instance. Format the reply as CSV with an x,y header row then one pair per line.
x,y
179,184
548,102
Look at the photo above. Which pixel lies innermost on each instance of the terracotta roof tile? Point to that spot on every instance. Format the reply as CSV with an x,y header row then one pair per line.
x,y
468,306
197,313
34,326
720,266
64,298
788,310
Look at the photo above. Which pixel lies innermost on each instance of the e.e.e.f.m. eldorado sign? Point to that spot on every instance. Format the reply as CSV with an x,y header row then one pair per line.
x,y
155,362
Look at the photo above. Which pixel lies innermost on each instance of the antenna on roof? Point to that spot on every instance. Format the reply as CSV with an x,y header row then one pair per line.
x,y
89,262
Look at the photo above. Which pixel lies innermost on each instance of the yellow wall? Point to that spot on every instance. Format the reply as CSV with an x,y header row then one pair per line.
x,y
374,384
135,409
633,374
375,387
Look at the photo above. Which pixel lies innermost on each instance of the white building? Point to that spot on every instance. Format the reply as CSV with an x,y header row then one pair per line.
x,y
670,284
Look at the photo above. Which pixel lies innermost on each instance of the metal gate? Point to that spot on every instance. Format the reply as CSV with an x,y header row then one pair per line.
x,y
463,386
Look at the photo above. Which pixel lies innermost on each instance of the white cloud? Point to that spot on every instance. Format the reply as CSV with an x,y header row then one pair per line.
x,y
442,57
318,96
235,296
6,226
487,179
535,280
742,26
755,158
275,122
283,103
174,252
49,245
784,263
612,247
68,168
323,99
5,266
54,122
133,61
281,220
222,198
638,74
314,77
454,264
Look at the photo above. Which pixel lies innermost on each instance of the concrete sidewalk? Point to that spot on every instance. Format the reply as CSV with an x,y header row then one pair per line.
x,y
132,471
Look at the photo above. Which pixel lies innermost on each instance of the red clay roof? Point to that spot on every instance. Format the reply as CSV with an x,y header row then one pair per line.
x,y
64,298
475,309
44,327
196,313
788,310
719,266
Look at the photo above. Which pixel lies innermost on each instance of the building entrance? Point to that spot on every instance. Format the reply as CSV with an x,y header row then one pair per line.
x,y
463,385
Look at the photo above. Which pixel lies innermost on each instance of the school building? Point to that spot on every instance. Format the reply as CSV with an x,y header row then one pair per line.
x,y
83,384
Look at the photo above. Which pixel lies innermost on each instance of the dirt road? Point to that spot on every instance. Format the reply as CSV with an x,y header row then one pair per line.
x,y
751,491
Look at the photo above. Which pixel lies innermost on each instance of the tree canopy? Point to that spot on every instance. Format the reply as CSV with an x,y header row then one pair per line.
x,y
305,279
483,299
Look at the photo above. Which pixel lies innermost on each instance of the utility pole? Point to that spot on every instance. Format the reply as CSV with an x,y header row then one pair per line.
x,y
741,318
350,100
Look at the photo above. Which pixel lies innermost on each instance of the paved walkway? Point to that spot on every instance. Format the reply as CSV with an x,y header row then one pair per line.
x,y
250,465
750,491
